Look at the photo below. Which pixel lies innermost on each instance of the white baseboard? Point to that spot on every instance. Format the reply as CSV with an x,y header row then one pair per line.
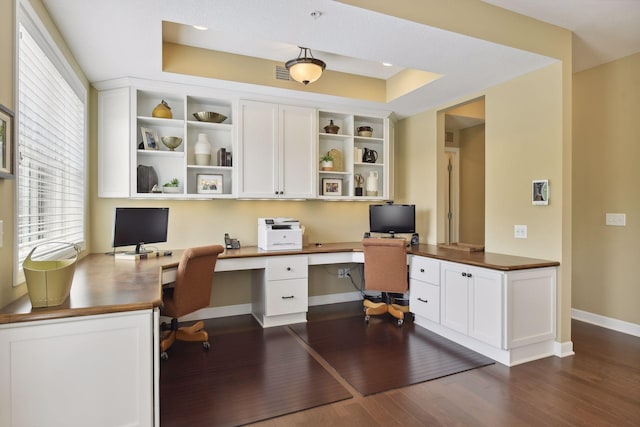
x,y
606,322
563,349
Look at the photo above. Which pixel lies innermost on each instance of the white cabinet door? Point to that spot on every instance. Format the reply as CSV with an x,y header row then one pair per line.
x,y
485,305
277,150
297,135
114,142
81,371
454,297
258,149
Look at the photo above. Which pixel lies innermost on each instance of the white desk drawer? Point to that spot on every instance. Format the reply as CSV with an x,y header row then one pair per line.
x,y
425,269
286,297
289,267
424,300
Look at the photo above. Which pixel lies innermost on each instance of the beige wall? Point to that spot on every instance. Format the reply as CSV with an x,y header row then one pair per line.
x,y
606,179
472,173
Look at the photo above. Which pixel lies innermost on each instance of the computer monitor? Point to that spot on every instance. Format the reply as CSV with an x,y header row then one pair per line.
x,y
392,219
139,226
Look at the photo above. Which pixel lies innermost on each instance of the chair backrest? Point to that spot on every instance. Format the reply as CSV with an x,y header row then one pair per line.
x,y
194,278
385,265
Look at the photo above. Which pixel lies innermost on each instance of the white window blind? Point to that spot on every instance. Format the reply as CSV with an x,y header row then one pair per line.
x,y
51,152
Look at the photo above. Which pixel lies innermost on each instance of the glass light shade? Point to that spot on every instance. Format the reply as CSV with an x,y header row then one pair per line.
x,y
305,69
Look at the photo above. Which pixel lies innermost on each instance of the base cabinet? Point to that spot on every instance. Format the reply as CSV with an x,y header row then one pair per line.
x,y
506,315
80,371
280,293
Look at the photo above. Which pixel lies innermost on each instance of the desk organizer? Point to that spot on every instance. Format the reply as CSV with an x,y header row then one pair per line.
x,y
49,281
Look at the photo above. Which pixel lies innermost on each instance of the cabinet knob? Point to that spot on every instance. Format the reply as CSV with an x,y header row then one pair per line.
x,y
422,300
464,274
288,268
422,270
468,274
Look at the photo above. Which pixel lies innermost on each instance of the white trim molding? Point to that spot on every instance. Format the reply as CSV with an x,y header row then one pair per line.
x,y
606,322
563,349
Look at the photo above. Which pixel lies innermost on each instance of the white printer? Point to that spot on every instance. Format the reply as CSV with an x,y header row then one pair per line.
x,y
278,234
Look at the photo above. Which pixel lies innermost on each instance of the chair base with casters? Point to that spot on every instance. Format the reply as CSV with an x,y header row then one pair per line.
x,y
373,307
193,333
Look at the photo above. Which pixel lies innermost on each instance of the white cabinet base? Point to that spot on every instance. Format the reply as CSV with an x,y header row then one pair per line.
x,y
79,371
511,357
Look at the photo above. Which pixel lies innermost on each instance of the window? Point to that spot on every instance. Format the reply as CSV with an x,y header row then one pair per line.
x,y
51,145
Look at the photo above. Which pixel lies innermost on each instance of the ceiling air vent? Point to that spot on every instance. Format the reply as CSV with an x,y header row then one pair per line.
x,y
448,136
282,73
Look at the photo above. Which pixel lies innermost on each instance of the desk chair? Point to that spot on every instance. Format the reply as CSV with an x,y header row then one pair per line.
x,y
385,270
191,292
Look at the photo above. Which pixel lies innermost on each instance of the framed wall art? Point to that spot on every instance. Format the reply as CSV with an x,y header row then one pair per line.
x,y
540,192
209,183
7,144
331,187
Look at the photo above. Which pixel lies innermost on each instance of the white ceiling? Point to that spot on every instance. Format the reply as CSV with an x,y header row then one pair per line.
x,y
119,38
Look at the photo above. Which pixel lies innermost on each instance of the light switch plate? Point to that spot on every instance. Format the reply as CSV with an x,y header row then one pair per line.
x,y
616,219
520,231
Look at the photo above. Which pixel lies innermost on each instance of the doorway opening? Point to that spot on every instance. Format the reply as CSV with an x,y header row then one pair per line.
x,y
463,183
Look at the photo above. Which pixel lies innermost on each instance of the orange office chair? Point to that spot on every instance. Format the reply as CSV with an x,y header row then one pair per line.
x,y
191,292
385,270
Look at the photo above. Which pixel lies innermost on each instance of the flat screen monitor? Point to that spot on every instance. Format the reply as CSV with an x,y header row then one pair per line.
x,y
140,226
390,218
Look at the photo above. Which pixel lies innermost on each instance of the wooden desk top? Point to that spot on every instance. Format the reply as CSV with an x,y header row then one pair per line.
x,y
102,284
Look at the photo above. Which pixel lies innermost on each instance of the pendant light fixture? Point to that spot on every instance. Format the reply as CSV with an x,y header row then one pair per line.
x,y
305,68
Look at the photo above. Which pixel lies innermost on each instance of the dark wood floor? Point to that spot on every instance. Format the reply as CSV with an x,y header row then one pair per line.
x,y
599,386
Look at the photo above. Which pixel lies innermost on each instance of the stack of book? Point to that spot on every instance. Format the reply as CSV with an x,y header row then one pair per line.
x,y
224,157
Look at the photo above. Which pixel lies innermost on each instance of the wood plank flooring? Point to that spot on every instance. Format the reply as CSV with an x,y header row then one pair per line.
x,y
599,386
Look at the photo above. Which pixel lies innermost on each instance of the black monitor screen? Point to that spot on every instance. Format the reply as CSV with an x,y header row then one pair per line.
x,y
138,226
392,218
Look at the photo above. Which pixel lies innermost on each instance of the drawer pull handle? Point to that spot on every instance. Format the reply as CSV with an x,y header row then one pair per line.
x,y
289,297
422,300
422,270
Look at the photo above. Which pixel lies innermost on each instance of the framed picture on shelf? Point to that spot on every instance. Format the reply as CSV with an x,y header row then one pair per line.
x,y
331,187
209,183
150,139
540,192
6,142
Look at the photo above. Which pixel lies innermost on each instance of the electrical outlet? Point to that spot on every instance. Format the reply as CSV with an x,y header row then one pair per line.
x,y
343,273
520,231
617,219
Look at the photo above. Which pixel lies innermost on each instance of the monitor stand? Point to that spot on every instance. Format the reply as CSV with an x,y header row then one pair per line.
x,y
139,250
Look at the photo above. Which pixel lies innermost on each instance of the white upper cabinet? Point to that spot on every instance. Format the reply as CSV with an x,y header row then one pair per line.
x,y
265,150
131,148
277,150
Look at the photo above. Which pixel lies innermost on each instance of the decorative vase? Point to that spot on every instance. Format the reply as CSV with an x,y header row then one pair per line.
x,y
331,128
372,184
203,150
162,111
